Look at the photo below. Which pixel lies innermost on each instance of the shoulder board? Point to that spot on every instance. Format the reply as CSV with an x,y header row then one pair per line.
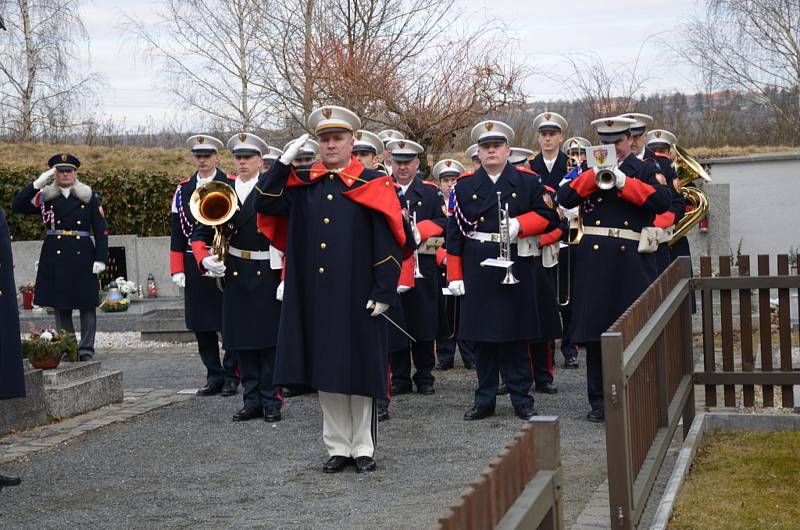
x,y
231,177
549,189
429,183
184,181
662,155
465,174
526,170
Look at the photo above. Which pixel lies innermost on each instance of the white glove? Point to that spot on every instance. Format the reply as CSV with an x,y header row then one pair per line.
x,y
377,307
179,279
619,181
456,288
43,178
571,214
513,228
279,292
416,234
98,267
213,265
292,150
403,289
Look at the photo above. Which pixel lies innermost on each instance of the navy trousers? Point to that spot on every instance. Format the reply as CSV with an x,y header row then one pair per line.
x,y
542,354
424,361
216,372
256,371
514,361
446,351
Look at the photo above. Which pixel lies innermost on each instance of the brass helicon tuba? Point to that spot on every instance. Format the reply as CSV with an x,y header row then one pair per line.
x,y
688,170
213,204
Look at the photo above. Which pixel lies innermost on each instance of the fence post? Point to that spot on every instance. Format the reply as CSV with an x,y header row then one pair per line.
x,y
546,437
687,344
620,487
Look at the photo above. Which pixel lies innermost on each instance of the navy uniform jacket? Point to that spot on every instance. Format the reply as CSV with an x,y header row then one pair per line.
x,y
610,273
490,311
343,239
12,379
550,178
250,311
676,210
202,300
421,303
64,279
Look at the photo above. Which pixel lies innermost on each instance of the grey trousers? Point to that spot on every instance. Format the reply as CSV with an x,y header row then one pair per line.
x,y
88,329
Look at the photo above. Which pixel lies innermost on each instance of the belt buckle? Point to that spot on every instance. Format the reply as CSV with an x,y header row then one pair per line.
x,y
245,254
613,232
66,232
495,238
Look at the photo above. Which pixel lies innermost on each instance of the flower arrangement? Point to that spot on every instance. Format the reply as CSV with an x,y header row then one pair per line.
x,y
117,297
126,287
45,348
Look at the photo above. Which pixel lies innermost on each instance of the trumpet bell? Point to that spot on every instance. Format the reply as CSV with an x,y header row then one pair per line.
x,y
605,179
213,203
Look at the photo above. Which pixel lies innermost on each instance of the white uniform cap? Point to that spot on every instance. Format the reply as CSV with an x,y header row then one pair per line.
x,y
404,150
247,144
272,153
472,151
661,138
613,129
447,168
310,149
388,135
331,118
367,141
204,144
550,121
643,121
519,155
583,143
492,131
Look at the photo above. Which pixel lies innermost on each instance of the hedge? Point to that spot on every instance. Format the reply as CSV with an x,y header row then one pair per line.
x,y
134,202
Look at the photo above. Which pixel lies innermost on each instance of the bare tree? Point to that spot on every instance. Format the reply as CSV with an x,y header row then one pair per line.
x,y
753,47
210,53
44,84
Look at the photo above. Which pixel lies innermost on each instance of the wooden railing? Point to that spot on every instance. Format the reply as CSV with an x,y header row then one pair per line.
x,y
521,487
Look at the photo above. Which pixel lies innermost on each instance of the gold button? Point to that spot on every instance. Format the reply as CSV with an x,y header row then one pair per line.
x,y
625,223
474,197
323,246
58,252
350,181
330,176
59,221
326,221
483,218
236,273
599,199
514,194
77,237
58,237
330,197
83,206
78,252
622,248
258,273
595,247
419,203
388,183
597,223
321,270
79,222
1,293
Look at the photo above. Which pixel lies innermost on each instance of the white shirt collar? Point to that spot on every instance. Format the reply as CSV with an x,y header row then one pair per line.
x,y
206,180
243,189
549,163
405,188
494,178
66,191
640,156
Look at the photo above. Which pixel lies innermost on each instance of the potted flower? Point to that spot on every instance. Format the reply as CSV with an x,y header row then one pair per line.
x,y
27,295
117,297
45,349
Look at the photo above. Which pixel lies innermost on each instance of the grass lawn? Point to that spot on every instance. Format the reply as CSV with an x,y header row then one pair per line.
x,y
742,480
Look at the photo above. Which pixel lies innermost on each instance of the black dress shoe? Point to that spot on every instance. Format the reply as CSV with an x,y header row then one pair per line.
x,y
229,388
426,390
209,390
443,367
248,413
397,391
365,464
295,390
546,388
9,481
571,362
336,464
478,412
272,415
596,416
502,390
383,413
525,412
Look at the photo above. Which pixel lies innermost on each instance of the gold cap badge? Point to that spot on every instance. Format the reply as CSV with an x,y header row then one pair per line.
x,y
242,137
327,113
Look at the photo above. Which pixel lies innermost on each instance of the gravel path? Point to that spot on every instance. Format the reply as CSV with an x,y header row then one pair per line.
x,y
188,465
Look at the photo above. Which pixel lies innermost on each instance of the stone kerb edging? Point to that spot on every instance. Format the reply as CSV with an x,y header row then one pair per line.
x,y
704,423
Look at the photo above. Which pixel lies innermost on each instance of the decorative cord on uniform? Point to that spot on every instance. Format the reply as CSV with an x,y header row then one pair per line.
x,y
47,215
186,226
462,221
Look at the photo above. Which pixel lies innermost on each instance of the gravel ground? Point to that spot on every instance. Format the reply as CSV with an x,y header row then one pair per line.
x,y
188,465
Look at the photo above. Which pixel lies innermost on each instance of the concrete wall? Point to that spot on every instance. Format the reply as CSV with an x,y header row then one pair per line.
x,y
715,241
764,200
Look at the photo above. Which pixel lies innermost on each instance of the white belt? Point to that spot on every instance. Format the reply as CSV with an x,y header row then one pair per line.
x,y
665,234
622,233
492,237
259,255
430,245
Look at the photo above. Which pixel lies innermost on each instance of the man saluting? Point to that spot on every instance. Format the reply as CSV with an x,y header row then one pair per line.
x,y
342,240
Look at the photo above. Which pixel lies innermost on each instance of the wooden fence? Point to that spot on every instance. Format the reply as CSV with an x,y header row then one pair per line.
x,y
648,366
521,487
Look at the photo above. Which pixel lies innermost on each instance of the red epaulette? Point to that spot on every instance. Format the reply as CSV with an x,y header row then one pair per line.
x,y
662,155
429,183
466,174
548,188
231,177
526,170
184,181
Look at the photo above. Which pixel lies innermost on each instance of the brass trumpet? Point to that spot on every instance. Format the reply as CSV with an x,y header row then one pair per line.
x,y
213,204
688,170
604,178
505,243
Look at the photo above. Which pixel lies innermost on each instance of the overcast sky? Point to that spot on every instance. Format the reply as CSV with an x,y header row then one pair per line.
x,y
543,32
